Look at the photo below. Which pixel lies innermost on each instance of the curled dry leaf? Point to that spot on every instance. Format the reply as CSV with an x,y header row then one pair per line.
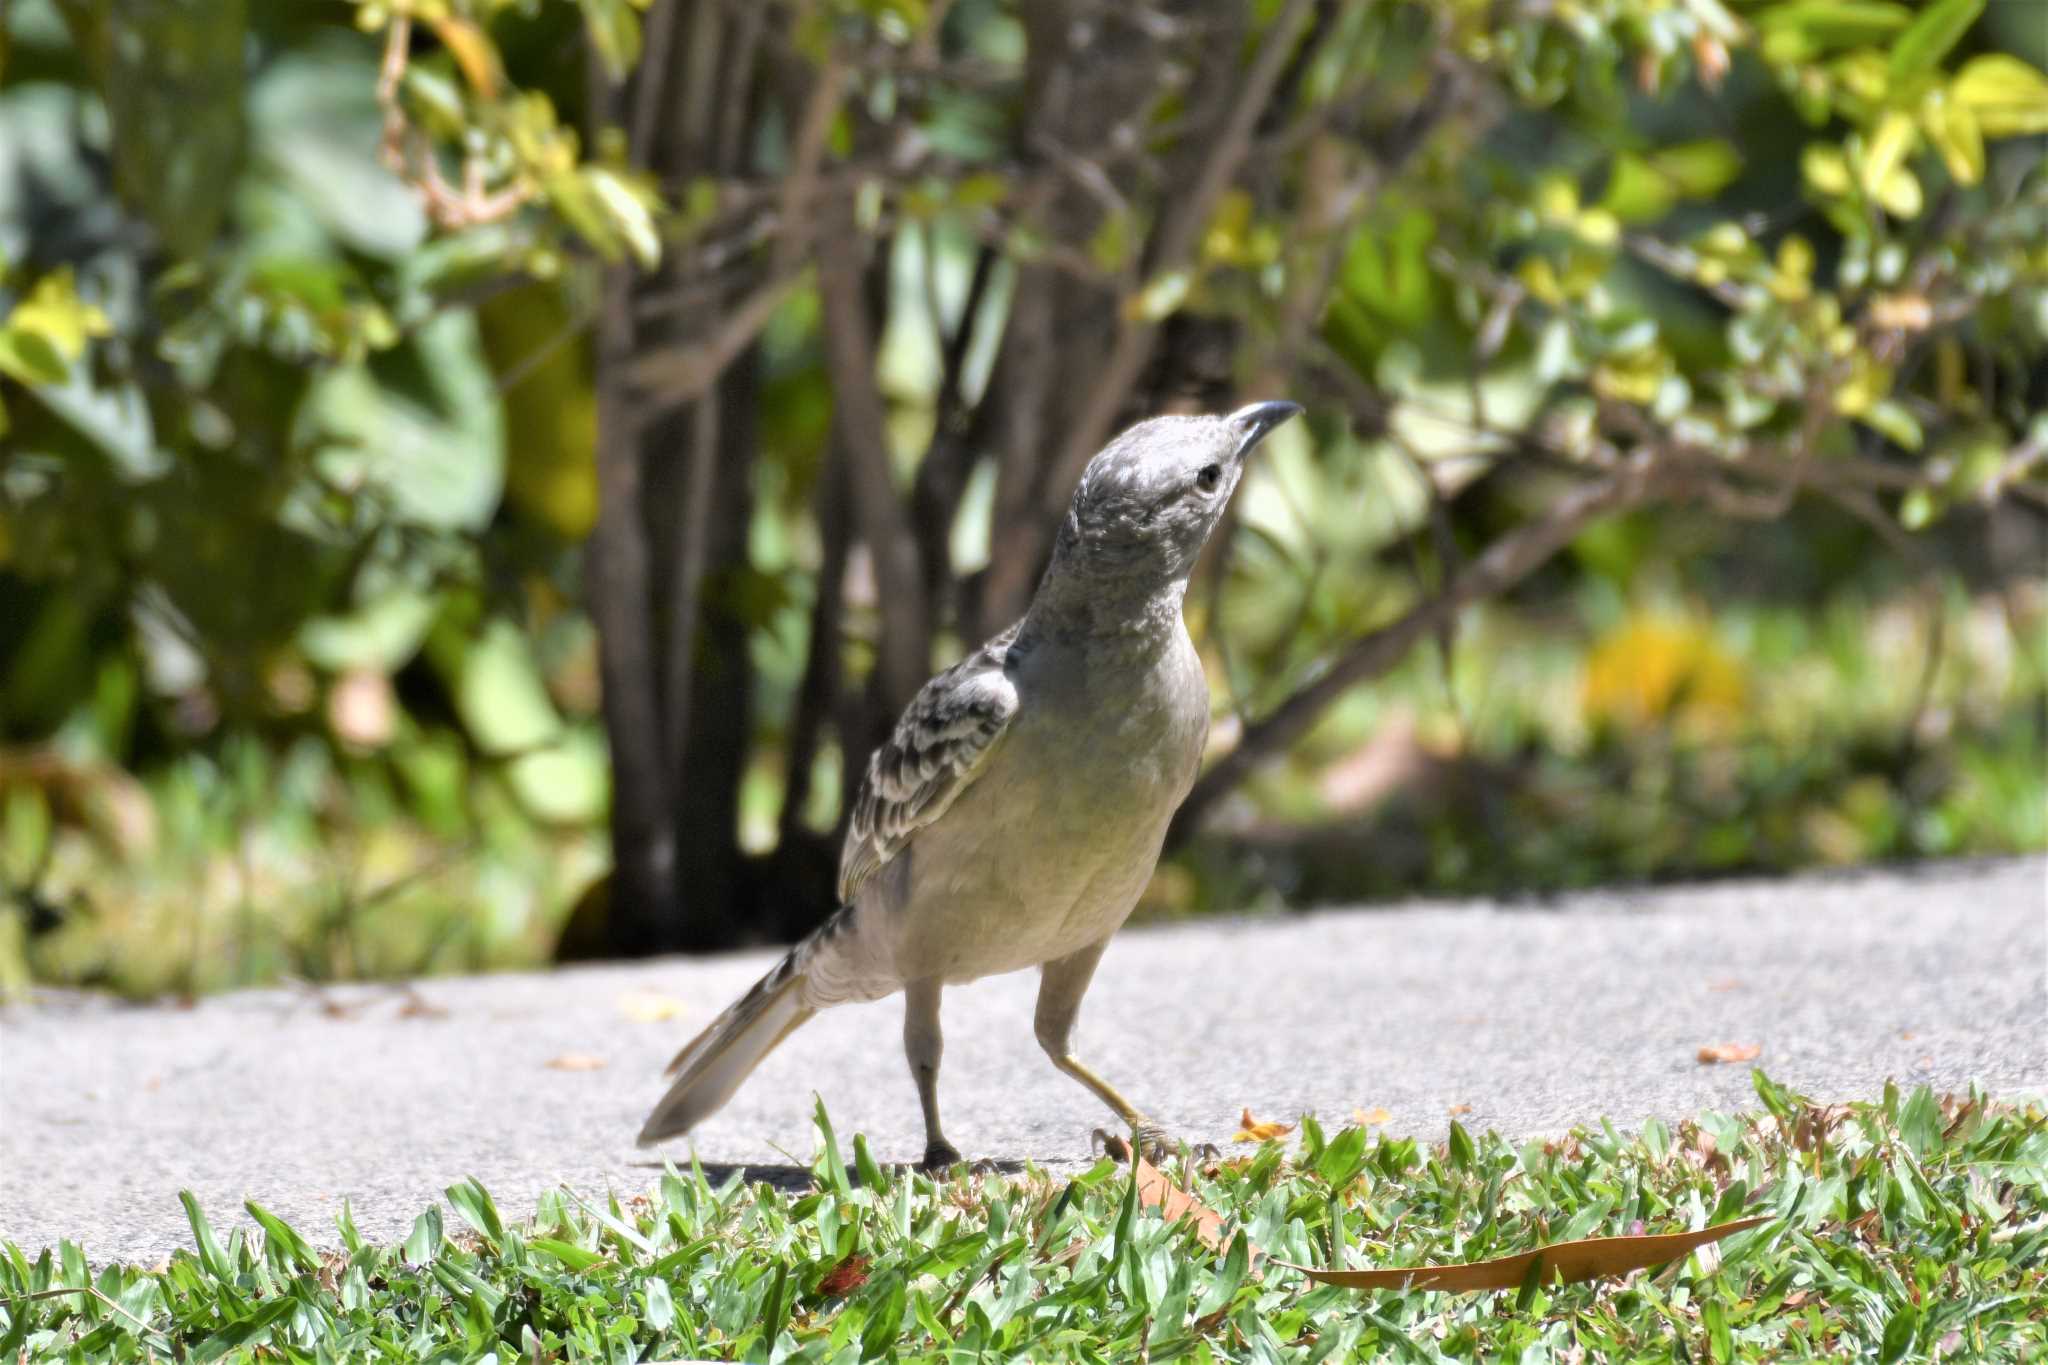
x,y
1591,1258
1371,1118
1730,1052
1250,1129
575,1061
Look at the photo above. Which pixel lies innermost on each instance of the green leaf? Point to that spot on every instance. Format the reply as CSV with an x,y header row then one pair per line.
x,y
568,1253
423,1243
471,1200
614,34
2008,97
171,77
1953,129
626,207
280,1239
831,1167
1920,1123
30,357
1838,23
1899,1332
567,783
1932,33
1701,168
1719,1339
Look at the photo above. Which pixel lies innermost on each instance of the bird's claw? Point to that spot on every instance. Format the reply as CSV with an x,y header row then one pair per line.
x,y
1155,1143
939,1157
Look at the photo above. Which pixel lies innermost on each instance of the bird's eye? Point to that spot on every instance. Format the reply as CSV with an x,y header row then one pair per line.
x,y
1209,476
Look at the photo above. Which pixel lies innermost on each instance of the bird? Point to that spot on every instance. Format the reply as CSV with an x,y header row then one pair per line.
x,y
1018,808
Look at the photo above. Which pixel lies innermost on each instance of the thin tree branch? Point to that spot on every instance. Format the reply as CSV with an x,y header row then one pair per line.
x,y
1505,563
861,421
678,373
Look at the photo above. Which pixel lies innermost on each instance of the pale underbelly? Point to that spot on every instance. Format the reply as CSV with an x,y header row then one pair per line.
x,y
989,901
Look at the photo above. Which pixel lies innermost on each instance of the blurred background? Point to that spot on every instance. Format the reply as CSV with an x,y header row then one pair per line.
x,y
478,476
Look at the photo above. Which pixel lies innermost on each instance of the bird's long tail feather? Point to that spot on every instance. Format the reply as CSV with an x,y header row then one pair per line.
x,y
710,1068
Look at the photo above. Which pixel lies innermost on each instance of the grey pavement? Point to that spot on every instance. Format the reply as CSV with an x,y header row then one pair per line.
x,y
1538,1016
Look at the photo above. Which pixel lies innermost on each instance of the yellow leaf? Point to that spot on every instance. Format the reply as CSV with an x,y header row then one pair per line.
x,y
1825,168
1953,130
2008,97
1371,1118
1900,194
473,52
54,311
1656,669
1251,1130
1887,150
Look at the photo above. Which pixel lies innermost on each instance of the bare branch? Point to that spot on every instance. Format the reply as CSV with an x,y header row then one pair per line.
x,y
1179,229
1505,563
862,426
678,373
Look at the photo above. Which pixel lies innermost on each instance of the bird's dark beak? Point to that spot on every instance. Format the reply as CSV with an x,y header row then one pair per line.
x,y
1258,419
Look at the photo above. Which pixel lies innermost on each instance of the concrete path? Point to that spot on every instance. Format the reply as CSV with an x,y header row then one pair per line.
x,y
1537,1016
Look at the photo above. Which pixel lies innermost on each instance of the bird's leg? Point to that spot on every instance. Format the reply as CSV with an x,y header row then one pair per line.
x,y
1061,985
923,1045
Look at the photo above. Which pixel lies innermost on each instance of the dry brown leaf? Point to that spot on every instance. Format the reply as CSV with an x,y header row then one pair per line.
x,y
650,1007
1562,1262
1591,1258
575,1061
842,1279
1730,1052
1250,1129
1157,1192
1371,1118
1458,1109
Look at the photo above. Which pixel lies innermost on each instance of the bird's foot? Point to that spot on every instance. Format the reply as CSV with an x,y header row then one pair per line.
x,y
1155,1143
940,1156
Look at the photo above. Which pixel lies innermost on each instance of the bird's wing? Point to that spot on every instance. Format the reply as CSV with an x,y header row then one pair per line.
x,y
943,740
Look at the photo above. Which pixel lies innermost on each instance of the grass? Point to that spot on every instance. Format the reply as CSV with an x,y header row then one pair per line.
x,y
1907,1228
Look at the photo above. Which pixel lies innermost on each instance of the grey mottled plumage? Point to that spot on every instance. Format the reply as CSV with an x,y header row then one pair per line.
x,y
1018,809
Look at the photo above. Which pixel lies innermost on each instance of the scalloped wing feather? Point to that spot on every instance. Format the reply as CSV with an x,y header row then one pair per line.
x,y
940,745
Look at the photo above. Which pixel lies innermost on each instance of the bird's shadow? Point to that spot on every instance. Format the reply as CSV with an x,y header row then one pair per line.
x,y
795,1179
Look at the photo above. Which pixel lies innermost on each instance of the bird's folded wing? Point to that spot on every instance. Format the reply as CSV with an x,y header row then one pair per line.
x,y
943,740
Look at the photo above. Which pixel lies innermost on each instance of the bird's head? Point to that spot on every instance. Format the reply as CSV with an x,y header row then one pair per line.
x,y
1146,504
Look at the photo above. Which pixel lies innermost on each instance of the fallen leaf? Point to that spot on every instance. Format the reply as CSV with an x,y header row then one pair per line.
x,y
1730,1052
1371,1118
575,1061
417,1006
1591,1258
1458,1109
1726,983
1157,1192
650,1007
842,1279
1250,1129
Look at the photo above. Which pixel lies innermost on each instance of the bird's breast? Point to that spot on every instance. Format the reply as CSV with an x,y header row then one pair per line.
x,y
1049,848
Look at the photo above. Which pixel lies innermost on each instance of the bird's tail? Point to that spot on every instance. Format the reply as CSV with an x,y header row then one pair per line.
x,y
711,1067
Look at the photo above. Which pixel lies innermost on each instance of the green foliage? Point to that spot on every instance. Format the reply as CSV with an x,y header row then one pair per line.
x,y
1899,1229
299,397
